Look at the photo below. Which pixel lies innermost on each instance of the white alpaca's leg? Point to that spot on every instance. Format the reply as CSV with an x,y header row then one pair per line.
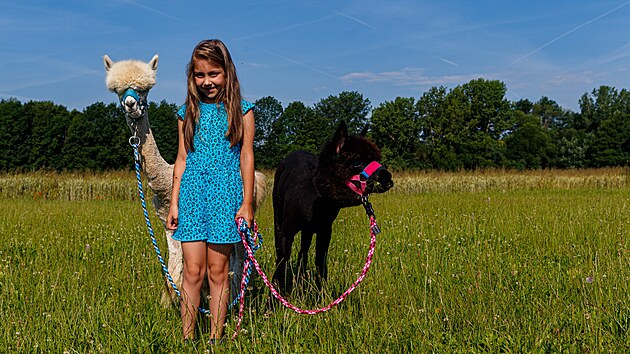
x,y
175,268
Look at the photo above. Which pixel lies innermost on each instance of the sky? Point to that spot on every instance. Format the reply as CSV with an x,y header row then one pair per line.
x,y
51,50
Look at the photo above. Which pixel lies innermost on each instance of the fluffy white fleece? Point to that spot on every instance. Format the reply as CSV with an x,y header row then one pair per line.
x,y
130,73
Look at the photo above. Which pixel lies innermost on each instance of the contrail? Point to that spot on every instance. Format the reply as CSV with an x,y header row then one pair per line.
x,y
569,32
353,19
447,61
156,11
285,29
301,64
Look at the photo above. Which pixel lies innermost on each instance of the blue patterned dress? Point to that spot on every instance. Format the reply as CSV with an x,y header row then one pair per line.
x,y
211,190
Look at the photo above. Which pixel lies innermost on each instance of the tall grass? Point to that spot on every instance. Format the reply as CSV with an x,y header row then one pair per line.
x,y
503,180
461,270
121,185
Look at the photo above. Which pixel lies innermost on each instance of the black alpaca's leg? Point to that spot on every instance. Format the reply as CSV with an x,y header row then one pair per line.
x,y
237,258
321,253
305,244
284,241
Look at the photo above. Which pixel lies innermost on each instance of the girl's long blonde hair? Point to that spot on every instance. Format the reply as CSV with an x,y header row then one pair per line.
x,y
215,52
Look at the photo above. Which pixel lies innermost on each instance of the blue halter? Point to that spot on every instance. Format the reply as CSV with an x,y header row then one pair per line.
x,y
140,99
130,92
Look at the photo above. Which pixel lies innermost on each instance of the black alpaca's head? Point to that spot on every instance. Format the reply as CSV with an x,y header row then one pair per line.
x,y
344,157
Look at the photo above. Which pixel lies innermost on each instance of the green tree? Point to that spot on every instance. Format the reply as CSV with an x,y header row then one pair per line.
x,y
349,106
395,129
267,112
98,139
16,129
487,119
286,133
490,111
75,151
48,133
304,128
549,112
529,145
441,127
571,150
451,150
524,105
163,120
605,115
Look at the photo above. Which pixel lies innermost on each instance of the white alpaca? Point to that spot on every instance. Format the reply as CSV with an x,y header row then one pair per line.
x,y
140,78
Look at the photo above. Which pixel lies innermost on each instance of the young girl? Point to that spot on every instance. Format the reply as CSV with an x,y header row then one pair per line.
x,y
213,180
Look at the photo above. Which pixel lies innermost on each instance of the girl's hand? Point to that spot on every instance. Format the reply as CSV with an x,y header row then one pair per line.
x,y
172,218
246,212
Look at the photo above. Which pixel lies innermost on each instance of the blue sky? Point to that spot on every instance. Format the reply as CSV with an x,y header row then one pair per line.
x,y
308,50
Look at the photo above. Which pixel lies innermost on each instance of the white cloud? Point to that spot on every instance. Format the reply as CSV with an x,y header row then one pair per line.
x,y
408,77
585,77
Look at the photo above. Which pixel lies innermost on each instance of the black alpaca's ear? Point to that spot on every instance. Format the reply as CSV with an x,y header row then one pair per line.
x,y
340,136
363,132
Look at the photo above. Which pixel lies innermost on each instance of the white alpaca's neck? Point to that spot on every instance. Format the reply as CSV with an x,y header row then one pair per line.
x,y
159,172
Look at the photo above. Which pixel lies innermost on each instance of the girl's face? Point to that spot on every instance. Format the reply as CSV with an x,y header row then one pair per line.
x,y
209,80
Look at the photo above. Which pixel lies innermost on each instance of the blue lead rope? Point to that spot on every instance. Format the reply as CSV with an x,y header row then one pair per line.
x,y
134,141
254,243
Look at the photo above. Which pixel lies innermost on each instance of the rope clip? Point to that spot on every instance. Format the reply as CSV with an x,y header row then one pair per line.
x,y
134,140
367,205
370,212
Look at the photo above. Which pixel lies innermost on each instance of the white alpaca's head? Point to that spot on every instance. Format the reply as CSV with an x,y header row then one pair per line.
x,y
131,80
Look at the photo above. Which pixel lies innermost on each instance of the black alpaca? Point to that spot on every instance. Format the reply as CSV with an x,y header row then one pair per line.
x,y
309,191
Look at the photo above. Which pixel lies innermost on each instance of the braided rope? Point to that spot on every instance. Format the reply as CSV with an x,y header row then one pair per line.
x,y
246,235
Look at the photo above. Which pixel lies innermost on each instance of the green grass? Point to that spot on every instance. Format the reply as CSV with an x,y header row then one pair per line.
x,y
501,270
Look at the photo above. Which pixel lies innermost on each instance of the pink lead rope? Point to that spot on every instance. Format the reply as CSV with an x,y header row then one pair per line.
x,y
374,230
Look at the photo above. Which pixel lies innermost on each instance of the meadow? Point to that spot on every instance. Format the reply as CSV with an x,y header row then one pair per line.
x,y
475,262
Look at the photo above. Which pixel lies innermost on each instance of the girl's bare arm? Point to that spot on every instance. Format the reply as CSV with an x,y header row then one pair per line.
x,y
247,168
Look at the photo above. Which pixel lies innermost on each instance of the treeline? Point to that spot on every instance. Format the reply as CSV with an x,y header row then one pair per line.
x,y
471,126
46,136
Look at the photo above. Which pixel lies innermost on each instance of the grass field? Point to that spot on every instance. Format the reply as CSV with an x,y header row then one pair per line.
x,y
469,262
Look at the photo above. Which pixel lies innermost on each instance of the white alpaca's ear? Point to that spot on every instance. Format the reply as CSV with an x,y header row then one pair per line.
x,y
154,62
107,62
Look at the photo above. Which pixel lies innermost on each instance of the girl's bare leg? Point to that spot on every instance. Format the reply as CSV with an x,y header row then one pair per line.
x,y
218,265
194,255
